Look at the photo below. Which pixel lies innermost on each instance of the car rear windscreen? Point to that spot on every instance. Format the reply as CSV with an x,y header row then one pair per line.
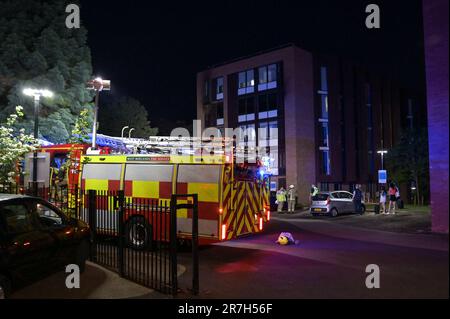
x,y
320,197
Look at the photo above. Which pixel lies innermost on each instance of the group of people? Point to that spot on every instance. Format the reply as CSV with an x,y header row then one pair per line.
x,y
393,194
288,196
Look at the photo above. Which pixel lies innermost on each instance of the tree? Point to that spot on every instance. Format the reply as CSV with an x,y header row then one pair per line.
x,y
80,132
14,144
38,50
125,112
408,161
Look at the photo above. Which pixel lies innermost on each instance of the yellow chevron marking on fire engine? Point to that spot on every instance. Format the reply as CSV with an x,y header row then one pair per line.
x,y
97,184
241,225
206,192
145,189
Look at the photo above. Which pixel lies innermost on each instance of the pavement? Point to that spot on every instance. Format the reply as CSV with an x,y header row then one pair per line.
x,y
95,283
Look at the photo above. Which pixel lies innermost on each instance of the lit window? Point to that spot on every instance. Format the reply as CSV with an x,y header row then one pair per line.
x,y
219,88
268,144
324,106
325,134
267,77
326,163
246,82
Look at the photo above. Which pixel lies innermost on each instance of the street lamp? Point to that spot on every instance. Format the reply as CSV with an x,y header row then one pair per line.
x,y
98,84
129,133
382,153
36,93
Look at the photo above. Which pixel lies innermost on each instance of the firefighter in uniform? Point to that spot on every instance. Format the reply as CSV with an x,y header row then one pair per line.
x,y
53,183
291,194
281,199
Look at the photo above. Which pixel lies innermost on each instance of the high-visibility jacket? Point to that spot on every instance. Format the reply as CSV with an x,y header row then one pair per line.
x,y
281,196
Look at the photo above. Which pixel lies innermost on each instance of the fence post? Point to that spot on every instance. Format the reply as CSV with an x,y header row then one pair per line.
x,y
76,205
120,225
173,244
92,194
195,261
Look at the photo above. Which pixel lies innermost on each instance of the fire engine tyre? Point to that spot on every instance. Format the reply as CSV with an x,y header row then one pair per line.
x,y
334,212
139,234
5,287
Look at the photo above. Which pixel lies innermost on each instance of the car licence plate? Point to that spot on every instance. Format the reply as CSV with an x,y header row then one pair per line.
x,y
317,209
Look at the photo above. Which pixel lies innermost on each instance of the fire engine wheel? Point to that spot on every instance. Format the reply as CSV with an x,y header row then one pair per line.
x,y
139,233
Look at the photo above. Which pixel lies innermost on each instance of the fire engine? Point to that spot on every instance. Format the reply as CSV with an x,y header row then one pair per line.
x,y
233,195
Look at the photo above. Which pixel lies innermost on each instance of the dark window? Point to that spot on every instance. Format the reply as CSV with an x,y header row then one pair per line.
x,y
323,79
18,218
246,109
206,92
320,197
272,102
220,111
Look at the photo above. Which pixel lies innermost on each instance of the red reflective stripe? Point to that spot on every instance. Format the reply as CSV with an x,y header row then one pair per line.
x,y
113,185
206,210
128,188
182,188
165,189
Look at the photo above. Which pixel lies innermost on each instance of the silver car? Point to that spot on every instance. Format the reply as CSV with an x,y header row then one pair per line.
x,y
334,203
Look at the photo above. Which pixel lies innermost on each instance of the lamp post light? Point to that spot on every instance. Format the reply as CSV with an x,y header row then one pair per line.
x,y
129,133
98,84
382,153
36,94
123,130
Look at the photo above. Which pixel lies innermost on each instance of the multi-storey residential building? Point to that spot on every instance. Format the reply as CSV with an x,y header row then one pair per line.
x,y
332,115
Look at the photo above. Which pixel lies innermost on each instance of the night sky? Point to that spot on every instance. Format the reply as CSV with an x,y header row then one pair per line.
x,y
152,50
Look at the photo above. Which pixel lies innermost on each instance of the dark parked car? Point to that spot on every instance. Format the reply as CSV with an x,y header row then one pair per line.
x,y
37,239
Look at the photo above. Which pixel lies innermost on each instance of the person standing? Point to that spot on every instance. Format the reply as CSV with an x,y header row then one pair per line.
x,y
291,194
314,191
392,198
357,199
383,195
281,199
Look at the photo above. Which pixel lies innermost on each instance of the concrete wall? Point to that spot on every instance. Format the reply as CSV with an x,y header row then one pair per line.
x,y
435,15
